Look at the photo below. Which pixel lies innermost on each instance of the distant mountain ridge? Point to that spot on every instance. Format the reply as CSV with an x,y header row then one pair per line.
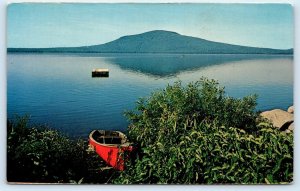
x,y
159,41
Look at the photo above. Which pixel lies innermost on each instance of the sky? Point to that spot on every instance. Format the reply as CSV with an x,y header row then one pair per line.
x,y
39,25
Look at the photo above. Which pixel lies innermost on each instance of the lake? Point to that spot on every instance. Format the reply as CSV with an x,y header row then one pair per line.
x,y
58,90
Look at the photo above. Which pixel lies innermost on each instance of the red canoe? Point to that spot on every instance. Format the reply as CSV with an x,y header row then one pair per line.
x,y
110,146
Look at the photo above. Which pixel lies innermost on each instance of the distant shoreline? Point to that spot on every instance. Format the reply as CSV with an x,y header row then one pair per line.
x,y
158,42
132,53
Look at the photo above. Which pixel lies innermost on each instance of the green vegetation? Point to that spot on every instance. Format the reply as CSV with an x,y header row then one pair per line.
x,y
192,134
39,154
195,134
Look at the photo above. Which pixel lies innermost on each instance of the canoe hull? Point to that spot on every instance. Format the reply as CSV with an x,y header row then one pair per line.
x,y
114,155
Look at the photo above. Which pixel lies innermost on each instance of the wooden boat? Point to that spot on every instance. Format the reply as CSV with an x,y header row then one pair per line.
x,y
100,73
111,146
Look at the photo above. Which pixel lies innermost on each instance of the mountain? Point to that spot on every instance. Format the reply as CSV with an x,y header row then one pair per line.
x,y
160,41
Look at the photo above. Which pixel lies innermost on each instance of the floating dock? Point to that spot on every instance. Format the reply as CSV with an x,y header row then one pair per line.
x,y
100,73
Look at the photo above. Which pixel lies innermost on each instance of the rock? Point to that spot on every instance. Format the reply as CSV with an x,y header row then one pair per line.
x,y
287,131
291,109
279,118
291,127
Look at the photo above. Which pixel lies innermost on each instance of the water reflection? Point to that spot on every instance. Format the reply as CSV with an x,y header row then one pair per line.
x,y
58,89
164,65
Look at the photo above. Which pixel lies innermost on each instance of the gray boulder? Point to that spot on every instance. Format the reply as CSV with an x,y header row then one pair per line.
x,y
291,127
279,118
291,109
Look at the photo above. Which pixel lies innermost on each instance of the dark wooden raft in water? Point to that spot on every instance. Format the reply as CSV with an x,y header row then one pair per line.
x,y
100,73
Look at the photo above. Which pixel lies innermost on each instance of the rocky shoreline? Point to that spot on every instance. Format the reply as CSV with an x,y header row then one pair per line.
x,y
283,120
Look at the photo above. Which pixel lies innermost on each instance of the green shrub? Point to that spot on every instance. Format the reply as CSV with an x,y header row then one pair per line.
x,y
39,154
195,134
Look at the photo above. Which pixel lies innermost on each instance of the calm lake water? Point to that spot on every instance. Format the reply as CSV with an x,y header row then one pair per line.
x,y
58,90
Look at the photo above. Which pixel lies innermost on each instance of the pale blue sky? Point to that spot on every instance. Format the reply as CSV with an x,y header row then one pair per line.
x,y
59,25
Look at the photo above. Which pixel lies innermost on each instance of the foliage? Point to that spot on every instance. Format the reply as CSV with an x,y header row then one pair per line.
x,y
184,134
39,154
195,134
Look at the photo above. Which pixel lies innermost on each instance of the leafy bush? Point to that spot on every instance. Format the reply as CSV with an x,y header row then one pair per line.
x,y
192,134
195,134
39,154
